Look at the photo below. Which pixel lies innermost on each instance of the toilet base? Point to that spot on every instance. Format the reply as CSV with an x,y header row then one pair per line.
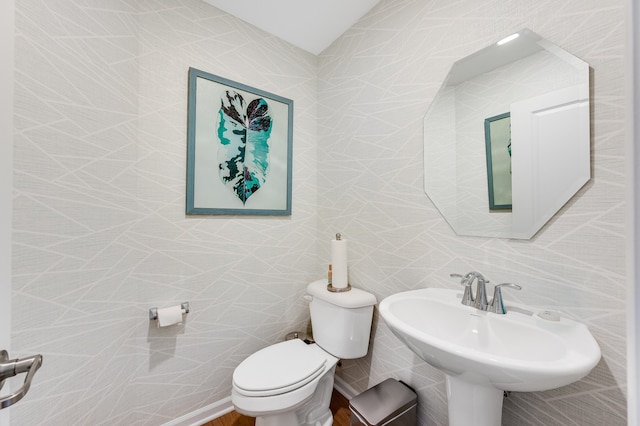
x,y
314,412
283,419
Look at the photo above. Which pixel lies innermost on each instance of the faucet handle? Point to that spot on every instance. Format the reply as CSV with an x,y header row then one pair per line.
x,y
467,296
497,304
458,276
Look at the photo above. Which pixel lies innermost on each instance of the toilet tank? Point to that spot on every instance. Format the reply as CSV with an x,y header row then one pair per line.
x,y
341,322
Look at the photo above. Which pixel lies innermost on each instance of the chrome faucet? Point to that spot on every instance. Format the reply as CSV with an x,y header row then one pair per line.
x,y
480,299
467,296
481,302
497,304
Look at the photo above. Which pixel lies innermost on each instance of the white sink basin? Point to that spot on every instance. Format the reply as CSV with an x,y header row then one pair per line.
x,y
486,352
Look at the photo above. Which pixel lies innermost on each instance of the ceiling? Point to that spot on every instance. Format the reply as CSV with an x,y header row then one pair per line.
x,y
309,25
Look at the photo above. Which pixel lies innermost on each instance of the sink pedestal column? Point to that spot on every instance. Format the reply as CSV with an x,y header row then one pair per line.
x,y
473,404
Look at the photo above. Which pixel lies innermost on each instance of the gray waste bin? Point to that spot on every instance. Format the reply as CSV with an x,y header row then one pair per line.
x,y
389,403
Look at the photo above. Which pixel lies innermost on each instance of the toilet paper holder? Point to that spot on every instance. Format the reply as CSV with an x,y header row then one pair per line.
x,y
153,312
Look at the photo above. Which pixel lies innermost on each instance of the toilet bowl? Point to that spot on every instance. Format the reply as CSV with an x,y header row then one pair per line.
x,y
286,384
290,383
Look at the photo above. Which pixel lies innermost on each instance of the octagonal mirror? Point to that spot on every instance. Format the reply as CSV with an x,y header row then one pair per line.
x,y
506,138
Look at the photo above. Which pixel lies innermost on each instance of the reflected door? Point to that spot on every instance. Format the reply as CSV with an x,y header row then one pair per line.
x,y
550,154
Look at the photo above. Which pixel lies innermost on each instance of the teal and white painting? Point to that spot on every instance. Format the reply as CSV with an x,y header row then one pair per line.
x,y
239,148
244,129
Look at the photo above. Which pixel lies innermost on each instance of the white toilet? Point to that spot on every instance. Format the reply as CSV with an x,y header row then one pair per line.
x,y
290,383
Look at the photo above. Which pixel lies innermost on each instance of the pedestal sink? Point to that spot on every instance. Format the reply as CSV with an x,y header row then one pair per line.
x,y
484,354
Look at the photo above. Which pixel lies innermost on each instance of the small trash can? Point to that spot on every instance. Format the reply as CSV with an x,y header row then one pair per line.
x,y
389,403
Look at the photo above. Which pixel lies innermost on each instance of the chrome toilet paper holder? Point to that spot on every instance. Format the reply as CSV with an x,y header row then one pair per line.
x,y
153,312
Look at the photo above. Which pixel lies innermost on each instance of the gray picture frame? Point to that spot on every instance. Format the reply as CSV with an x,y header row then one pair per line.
x,y
232,168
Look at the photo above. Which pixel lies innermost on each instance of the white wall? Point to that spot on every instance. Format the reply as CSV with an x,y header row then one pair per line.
x,y
633,210
6,167
6,172
376,83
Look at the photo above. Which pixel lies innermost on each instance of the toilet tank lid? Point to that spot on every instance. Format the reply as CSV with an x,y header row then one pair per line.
x,y
354,298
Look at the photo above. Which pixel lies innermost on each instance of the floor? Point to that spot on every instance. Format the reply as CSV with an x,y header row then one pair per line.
x,y
339,408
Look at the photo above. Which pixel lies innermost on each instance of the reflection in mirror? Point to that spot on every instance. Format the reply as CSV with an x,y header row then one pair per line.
x,y
544,91
497,134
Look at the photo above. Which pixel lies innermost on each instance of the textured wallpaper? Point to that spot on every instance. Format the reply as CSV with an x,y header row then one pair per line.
x,y
100,233
376,83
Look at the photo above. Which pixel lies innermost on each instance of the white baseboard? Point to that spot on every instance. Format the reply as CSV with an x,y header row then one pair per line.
x,y
344,388
204,414
224,406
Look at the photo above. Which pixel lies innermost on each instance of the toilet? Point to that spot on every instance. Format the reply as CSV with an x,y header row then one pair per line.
x,y
290,383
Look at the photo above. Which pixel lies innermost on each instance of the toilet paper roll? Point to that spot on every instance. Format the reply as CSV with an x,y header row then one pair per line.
x,y
169,316
339,276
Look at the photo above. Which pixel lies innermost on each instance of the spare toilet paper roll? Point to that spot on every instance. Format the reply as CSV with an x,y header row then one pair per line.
x,y
169,316
339,276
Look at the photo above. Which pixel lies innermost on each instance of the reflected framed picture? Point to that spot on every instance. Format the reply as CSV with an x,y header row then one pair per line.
x,y
497,133
239,148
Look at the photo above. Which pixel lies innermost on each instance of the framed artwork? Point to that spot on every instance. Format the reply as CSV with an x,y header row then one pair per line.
x,y
239,148
497,133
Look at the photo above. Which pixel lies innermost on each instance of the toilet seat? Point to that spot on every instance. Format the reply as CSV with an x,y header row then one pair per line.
x,y
278,369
